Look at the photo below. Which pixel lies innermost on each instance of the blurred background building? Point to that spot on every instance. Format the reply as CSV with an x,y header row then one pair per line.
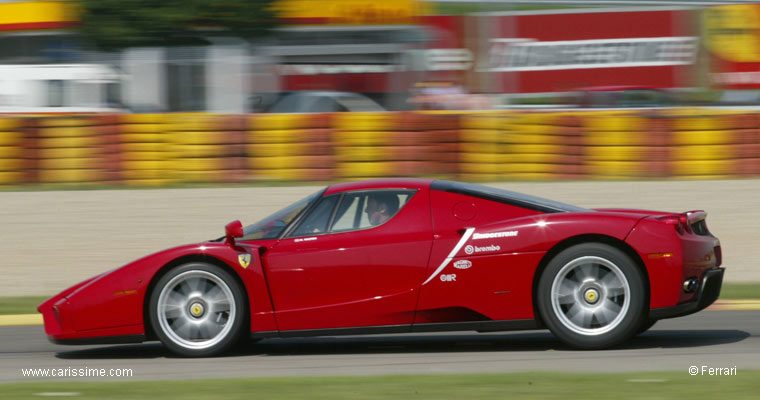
x,y
394,54
233,91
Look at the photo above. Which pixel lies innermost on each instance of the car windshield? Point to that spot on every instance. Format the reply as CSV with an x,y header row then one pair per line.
x,y
272,226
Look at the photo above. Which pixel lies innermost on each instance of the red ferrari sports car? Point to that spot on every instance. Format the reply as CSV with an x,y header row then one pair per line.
x,y
405,255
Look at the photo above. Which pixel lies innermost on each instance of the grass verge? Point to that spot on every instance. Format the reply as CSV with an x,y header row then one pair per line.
x,y
731,290
28,304
530,385
20,305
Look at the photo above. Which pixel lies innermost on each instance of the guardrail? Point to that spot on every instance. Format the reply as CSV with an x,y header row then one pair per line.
x,y
166,149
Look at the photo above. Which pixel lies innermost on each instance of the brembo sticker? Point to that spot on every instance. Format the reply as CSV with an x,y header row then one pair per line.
x,y
463,264
470,249
493,235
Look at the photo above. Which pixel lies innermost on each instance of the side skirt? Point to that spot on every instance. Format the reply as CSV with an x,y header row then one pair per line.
x,y
478,326
121,339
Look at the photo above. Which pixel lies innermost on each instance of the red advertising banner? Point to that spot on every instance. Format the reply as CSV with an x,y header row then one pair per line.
x,y
564,51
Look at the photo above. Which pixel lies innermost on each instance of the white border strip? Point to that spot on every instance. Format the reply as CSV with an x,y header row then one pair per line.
x,y
454,251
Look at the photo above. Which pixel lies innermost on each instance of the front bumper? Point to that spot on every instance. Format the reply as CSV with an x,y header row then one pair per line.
x,y
708,292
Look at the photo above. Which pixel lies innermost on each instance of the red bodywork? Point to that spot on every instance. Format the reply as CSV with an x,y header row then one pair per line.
x,y
403,273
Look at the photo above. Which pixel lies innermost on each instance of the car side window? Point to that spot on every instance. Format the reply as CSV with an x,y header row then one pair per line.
x,y
318,219
361,210
346,216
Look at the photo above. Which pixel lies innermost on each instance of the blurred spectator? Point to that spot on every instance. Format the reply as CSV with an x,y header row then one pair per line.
x,y
446,95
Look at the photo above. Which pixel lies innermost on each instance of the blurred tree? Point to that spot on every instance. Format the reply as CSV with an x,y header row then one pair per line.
x,y
117,24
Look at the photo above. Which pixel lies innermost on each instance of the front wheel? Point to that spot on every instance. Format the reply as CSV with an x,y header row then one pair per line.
x,y
198,310
592,296
646,325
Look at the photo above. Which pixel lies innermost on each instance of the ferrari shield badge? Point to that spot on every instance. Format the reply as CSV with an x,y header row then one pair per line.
x,y
244,259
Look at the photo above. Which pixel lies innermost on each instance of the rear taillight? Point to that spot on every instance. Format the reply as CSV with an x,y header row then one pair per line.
x,y
678,221
718,256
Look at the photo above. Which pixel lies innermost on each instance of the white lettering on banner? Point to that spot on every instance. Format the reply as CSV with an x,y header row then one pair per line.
x,y
448,60
331,69
494,235
532,55
736,78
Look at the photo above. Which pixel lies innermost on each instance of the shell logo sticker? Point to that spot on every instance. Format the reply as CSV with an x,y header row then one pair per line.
x,y
244,260
463,264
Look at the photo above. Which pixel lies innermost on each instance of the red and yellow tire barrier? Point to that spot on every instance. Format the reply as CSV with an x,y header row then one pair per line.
x,y
443,130
481,156
69,151
290,147
521,146
143,151
715,146
373,145
164,149
543,146
208,148
13,154
626,146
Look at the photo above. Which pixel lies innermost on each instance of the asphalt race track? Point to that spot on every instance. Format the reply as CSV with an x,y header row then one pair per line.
x,y
713,338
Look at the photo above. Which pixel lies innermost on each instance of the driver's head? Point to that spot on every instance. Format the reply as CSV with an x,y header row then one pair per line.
x,y
380,207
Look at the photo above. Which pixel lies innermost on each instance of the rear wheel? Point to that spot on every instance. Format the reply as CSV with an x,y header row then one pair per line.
x,y
198,309
591,296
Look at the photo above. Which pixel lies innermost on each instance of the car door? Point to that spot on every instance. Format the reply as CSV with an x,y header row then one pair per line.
x,y
335,269
487,284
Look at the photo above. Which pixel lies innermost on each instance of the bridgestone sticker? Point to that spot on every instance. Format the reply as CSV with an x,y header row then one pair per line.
x,y
493,235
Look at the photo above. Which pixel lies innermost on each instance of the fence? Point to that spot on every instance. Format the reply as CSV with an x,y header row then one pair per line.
x,y
168,149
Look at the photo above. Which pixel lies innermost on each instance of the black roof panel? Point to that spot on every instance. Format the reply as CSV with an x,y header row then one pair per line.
x,y
505,196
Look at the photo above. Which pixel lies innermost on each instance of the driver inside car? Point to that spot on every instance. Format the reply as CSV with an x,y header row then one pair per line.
x,y
381,207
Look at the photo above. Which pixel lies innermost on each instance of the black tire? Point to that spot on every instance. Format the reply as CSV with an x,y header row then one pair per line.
x,y
648,323
592,296
198,310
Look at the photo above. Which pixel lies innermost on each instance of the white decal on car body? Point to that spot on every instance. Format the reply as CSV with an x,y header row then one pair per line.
x,y
493,235
465,237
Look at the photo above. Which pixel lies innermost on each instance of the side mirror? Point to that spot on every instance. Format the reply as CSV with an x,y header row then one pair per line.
x,y
233,230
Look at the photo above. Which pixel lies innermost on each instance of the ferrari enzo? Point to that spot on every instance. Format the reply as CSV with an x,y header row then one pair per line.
x,y
405,255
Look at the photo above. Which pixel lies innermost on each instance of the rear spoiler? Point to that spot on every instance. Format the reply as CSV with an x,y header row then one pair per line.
x,y
695,216
683,221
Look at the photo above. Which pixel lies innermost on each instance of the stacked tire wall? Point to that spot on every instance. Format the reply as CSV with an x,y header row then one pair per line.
x,y
73,150
13,154
146,150
142,153
290,147
374,145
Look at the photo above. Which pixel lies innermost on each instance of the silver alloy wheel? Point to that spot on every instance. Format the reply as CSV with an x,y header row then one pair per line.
x,y
196,309
590,295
